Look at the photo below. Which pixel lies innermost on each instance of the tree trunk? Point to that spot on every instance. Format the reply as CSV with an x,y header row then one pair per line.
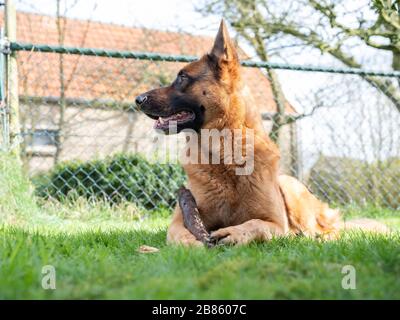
x,y
61,120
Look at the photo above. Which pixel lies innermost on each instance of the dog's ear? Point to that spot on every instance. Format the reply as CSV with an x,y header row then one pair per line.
x,y
223,49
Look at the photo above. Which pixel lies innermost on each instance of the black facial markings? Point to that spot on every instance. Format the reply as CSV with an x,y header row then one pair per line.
x,y
179,102
182,102
179,81
178,98
185,80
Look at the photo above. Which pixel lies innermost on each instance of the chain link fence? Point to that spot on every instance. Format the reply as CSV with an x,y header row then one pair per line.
x,y
80,135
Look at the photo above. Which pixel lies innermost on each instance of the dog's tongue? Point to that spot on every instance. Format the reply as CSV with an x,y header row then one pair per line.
x,y
163,122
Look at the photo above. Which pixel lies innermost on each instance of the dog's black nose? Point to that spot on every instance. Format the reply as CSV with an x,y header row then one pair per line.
x,y
140,99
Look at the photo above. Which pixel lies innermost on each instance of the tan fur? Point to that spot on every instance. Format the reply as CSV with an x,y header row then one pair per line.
x,y
307,215
239,209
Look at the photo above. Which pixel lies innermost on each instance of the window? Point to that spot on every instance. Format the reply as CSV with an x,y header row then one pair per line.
x,y
43,137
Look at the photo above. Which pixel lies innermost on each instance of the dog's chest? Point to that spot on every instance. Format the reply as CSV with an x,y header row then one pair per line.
x,y
219,201
217,213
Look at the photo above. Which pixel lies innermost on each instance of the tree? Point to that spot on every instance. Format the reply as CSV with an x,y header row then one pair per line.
x,y
327,25
61,22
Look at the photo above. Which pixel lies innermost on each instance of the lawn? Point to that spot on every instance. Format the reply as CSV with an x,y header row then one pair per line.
x,y
93,248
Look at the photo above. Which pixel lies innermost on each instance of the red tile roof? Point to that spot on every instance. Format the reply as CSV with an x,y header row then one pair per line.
x,y
88,77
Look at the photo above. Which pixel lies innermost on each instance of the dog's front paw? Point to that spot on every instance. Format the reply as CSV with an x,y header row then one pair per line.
x,y
190,242
187,240
235,235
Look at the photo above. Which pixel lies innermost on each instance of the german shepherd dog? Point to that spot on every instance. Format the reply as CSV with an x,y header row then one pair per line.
x,y
235,209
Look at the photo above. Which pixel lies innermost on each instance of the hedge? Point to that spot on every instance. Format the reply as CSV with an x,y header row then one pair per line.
x,y
116,178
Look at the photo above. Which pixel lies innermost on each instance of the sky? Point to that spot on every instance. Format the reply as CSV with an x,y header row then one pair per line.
x,y
157,14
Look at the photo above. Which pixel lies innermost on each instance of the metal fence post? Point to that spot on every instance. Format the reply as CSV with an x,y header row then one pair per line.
x,y
11,79
5,136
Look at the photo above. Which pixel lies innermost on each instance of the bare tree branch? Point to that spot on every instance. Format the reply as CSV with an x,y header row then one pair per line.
x,y
254,19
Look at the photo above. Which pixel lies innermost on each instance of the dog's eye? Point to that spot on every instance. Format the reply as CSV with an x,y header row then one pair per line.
x,y
181,80
182,77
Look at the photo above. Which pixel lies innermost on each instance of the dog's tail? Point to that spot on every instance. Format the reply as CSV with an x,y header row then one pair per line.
x,y
333,225
332,218
363,224
309,215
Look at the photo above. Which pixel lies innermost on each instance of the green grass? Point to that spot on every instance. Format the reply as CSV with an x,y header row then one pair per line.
x,y
93,248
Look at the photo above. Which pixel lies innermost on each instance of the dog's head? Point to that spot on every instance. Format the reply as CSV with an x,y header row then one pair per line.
x,y
201,91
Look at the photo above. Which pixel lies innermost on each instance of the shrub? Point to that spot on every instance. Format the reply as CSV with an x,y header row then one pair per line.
x,y
117,178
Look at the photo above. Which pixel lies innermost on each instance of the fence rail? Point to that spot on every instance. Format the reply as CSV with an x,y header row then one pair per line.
x,y
17,46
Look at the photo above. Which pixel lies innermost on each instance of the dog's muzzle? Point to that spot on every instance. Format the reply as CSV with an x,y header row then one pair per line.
x,y
140,100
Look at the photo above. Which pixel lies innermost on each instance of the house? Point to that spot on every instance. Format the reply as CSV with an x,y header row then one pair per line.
x,y
81,107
